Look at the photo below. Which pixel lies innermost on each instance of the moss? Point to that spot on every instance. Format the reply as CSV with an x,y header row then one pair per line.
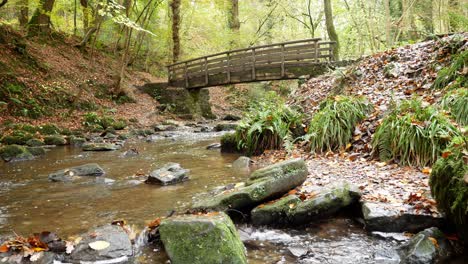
x,y
49,129
77,141
55,140
119,124
36,151
17,137
15,153
201,239
448,184
229,143
34,142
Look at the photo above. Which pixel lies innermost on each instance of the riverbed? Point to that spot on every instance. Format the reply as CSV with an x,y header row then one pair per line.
x,y
31,203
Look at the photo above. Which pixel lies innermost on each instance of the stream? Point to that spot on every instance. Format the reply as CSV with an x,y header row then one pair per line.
x,y
31,203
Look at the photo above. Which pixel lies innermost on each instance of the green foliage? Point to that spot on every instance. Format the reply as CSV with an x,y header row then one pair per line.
x,y
97,122
49,129
456,102
17,137
413,134
266,125
448,185
229,143
333,125
453,73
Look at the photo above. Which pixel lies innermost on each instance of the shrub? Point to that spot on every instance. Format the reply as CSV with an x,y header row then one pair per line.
x,y
17,137
456,102
453,73
229,143
119,124
55,140
449,185
49,129
101,122
413,134
266,125
333,125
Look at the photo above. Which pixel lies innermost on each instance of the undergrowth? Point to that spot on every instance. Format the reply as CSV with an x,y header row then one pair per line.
x,y
268,124
456,102
413,134
448,185
332,126
452,75
97,122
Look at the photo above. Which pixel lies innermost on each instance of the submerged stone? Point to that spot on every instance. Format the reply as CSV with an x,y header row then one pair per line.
x,y
70,174
263,184
11,153
55,140
428,246
170,173
119,249
242,163
388,218
292,209
102,146
199,239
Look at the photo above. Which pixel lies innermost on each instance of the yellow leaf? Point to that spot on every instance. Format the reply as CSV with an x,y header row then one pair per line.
x,y
291,206
426,170
434,241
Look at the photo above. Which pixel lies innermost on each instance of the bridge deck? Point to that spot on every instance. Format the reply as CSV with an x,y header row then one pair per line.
x,y
287,60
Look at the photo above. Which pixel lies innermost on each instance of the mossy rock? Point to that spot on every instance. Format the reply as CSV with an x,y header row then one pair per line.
x,y
292,210
36,151
449,187
200,239
49,129
93,146
263,184
55,140
17,138
119,125
229,143
77,141
15,153
34,142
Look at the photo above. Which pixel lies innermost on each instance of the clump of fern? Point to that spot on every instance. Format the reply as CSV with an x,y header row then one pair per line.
x,y
456,102
331,128
413,134
267,125
452,75
449,186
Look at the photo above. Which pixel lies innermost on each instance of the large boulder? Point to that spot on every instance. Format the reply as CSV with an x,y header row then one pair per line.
x,y
70,174
263,184
389,218
99,146
12,153
199,239
170,173
428,246
117,246
242,163
293,209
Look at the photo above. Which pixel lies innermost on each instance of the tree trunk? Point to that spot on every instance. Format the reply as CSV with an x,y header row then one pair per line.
x,y
3,2
233,22
40,21
23,12
388,24
175,12
85,8
331,27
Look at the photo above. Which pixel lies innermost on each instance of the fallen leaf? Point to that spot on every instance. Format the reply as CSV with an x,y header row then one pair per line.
x,y
434,241
4,248
99,245
446,154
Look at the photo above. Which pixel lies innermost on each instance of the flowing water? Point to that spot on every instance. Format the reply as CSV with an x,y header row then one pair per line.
x,y
30,203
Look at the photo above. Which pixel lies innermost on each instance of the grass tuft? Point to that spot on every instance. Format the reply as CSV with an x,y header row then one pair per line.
x,y
332,126
456,102
413,134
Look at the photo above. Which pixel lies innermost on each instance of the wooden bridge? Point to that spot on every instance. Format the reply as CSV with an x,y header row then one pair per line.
x,y
287,60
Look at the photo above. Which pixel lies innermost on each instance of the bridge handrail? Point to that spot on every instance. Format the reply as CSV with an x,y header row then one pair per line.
x,y
250,48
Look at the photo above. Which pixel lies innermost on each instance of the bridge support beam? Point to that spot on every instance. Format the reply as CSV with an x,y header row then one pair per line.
x,y
186,103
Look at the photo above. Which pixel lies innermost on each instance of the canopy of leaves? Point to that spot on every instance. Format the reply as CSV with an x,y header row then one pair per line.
x,y
413,134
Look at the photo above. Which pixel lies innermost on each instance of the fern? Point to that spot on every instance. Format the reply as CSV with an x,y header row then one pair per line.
x,y
456,102
451,73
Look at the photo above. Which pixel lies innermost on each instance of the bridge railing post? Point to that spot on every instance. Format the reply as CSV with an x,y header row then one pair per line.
x,y
282,61
206,71
254,74
186,75
228,67
316,59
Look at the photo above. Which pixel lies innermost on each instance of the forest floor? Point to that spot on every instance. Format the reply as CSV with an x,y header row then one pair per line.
x,y
384,78
49,80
